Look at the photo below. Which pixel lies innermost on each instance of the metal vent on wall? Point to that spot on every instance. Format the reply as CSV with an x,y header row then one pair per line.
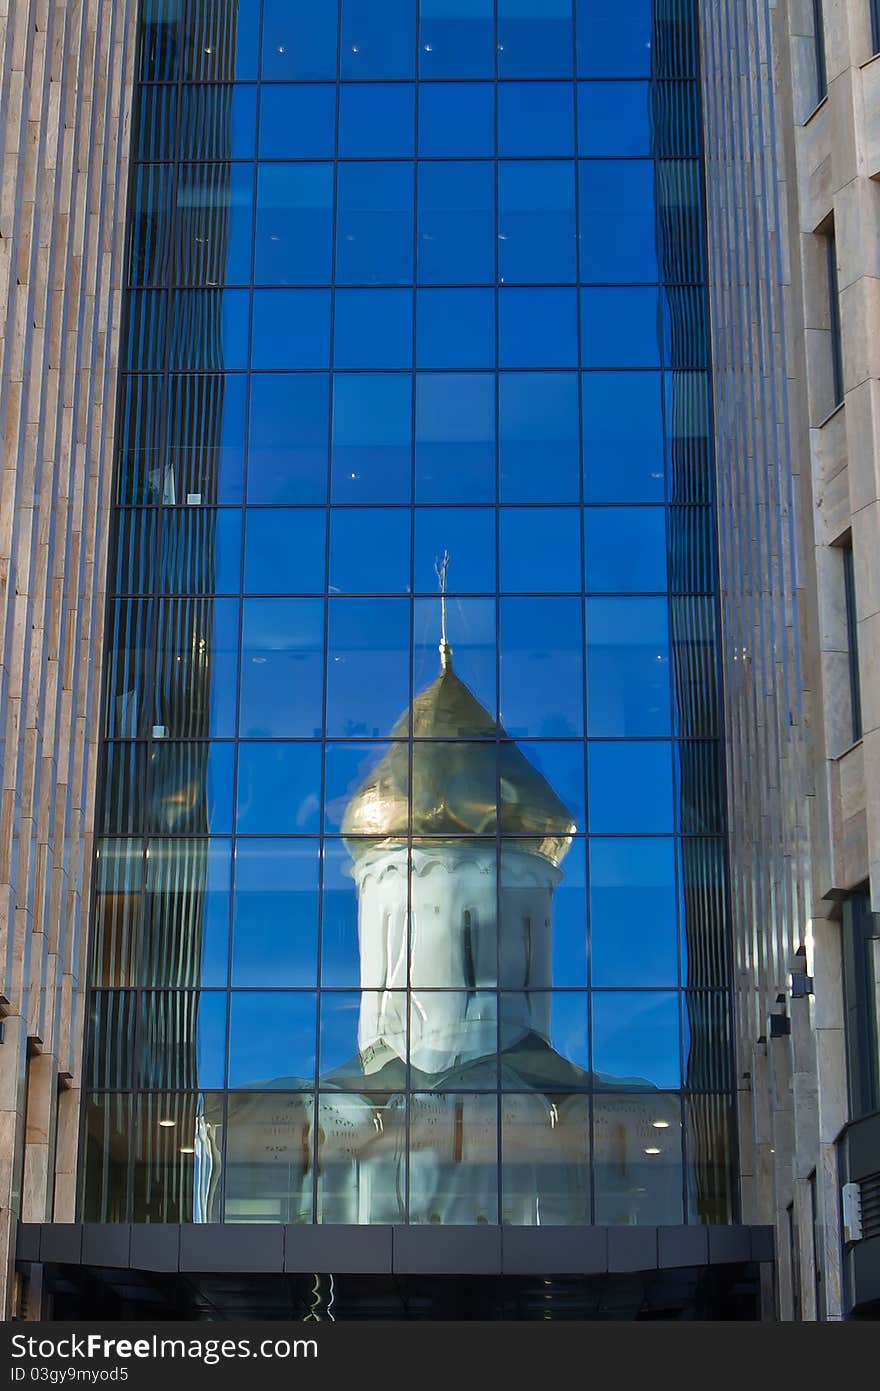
x,y
870,1192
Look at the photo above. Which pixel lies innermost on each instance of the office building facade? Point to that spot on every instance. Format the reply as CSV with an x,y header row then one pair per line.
x,y
407,936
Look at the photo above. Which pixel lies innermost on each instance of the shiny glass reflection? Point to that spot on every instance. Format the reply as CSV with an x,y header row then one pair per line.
x,y
623,437
177,1157
453,1142
385,566
298,121
625,549
372,328
456,118
299,40
278,789
181,1039
636,1038
541,667
269,1162
627,667
288,426
372,438
190,788
285,550
539,549
185,933
545,1160
535,118
614,118
272,1039
275,926
282,645
107,1135
468,533
633,912
374,227
539,452
294,224
291,329
456,223
367,666
537,328
536,227
376,120
472,629
455,328
455,438
456,38
378,38
534,38
361,1158
637,1160
613,770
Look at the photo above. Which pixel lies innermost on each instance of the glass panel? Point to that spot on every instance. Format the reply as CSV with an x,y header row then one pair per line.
x,y
119,874
544,1039
177,1166
374,231
272,1039
703,913
214,224
278,789
618,194
453,914
123,783
540,457
688,431
701,810
155,123
269,1173
182,1039
455,438
291,328
158,40
453,1039
372,438
707,1043
541,667
636,1039
537,328
694,666
540,549
140,475
130,642
361,1159
289,431
221,42
299,39
637,1158
633,912
711,1178
363,1040
191,788
535,118
207,330
378,38
197,656
340,930
625,549
367,667
453,1176
621,327
534,38
468,535
614,118
456,119
614,769
373,328
206,432
376,120
298,121
455,328
107,1135
561,763
186,913
347,769
218,121
150,249
536,222
545,1157
456,38
282,646
627,667
110,1034
285,550
544,922
200,551
275,931
456,223
294,227
623,437
613,41
383,566
472,632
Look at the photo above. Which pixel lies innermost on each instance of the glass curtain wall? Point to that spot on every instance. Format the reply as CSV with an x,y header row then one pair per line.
x,y
410,898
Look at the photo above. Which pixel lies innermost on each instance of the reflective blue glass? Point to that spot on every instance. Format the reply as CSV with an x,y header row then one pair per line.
x,y
468,534
189,630
185,534
271,1030
536,226
633,916
455,438
374,231
208,330
340,954
282,645
376,120
221,41
214,224
275,926
299,39
614,769
625,549
541,667
456,119
535,118
346,768
210,1037
456,38
472,627
294,227
614,118
191,788
288,432
636,1037
627,667
277,789
285,550
539,424
291,328
298,122
217,122
623,437
367,666
618,195
372,431
614,40
373,328
535,38
455,328
539,549
562,763
383,566
456,204
537,328
621,327
378,38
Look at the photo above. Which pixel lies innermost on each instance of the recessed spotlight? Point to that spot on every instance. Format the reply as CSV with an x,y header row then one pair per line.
x,y
660,1125
652,1149
167,1123
187,1149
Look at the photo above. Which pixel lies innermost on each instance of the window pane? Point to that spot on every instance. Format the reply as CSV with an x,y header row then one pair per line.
x,y
299,39
206,431
540,549
368,666
456,38
535,118
376,120
636,1039
544,932
540,457
557,1018
537,328
623,437
362,1159
269,1168
545,1156
561,762
298,122
275,932
347,767
294,224
621,327
456,119
378,38
471,625
453,923
177,1141
541,667
614,118
373,328
536,221
612,40
278,789
374,232
381,567
340,945
200,552
285,550
633,919
214,224
291,328
455,438
191,788
637,1159
619,194
455,328
627,667
372,438
289,431
281,667
468,535
363,1040
185,939
614,769
453,1159
625,548
221,42
107,1132
456,223
194,685
182,1038
272,1039
218,121
534,38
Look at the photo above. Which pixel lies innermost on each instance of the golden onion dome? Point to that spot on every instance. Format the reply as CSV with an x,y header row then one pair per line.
x,y
458,787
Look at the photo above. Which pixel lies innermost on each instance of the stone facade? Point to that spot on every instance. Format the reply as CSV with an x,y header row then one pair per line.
x,y
65,84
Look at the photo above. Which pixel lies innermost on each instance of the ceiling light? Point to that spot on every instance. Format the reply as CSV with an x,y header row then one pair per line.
x,y
187,1149
167,1123
652,1149
660,1125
